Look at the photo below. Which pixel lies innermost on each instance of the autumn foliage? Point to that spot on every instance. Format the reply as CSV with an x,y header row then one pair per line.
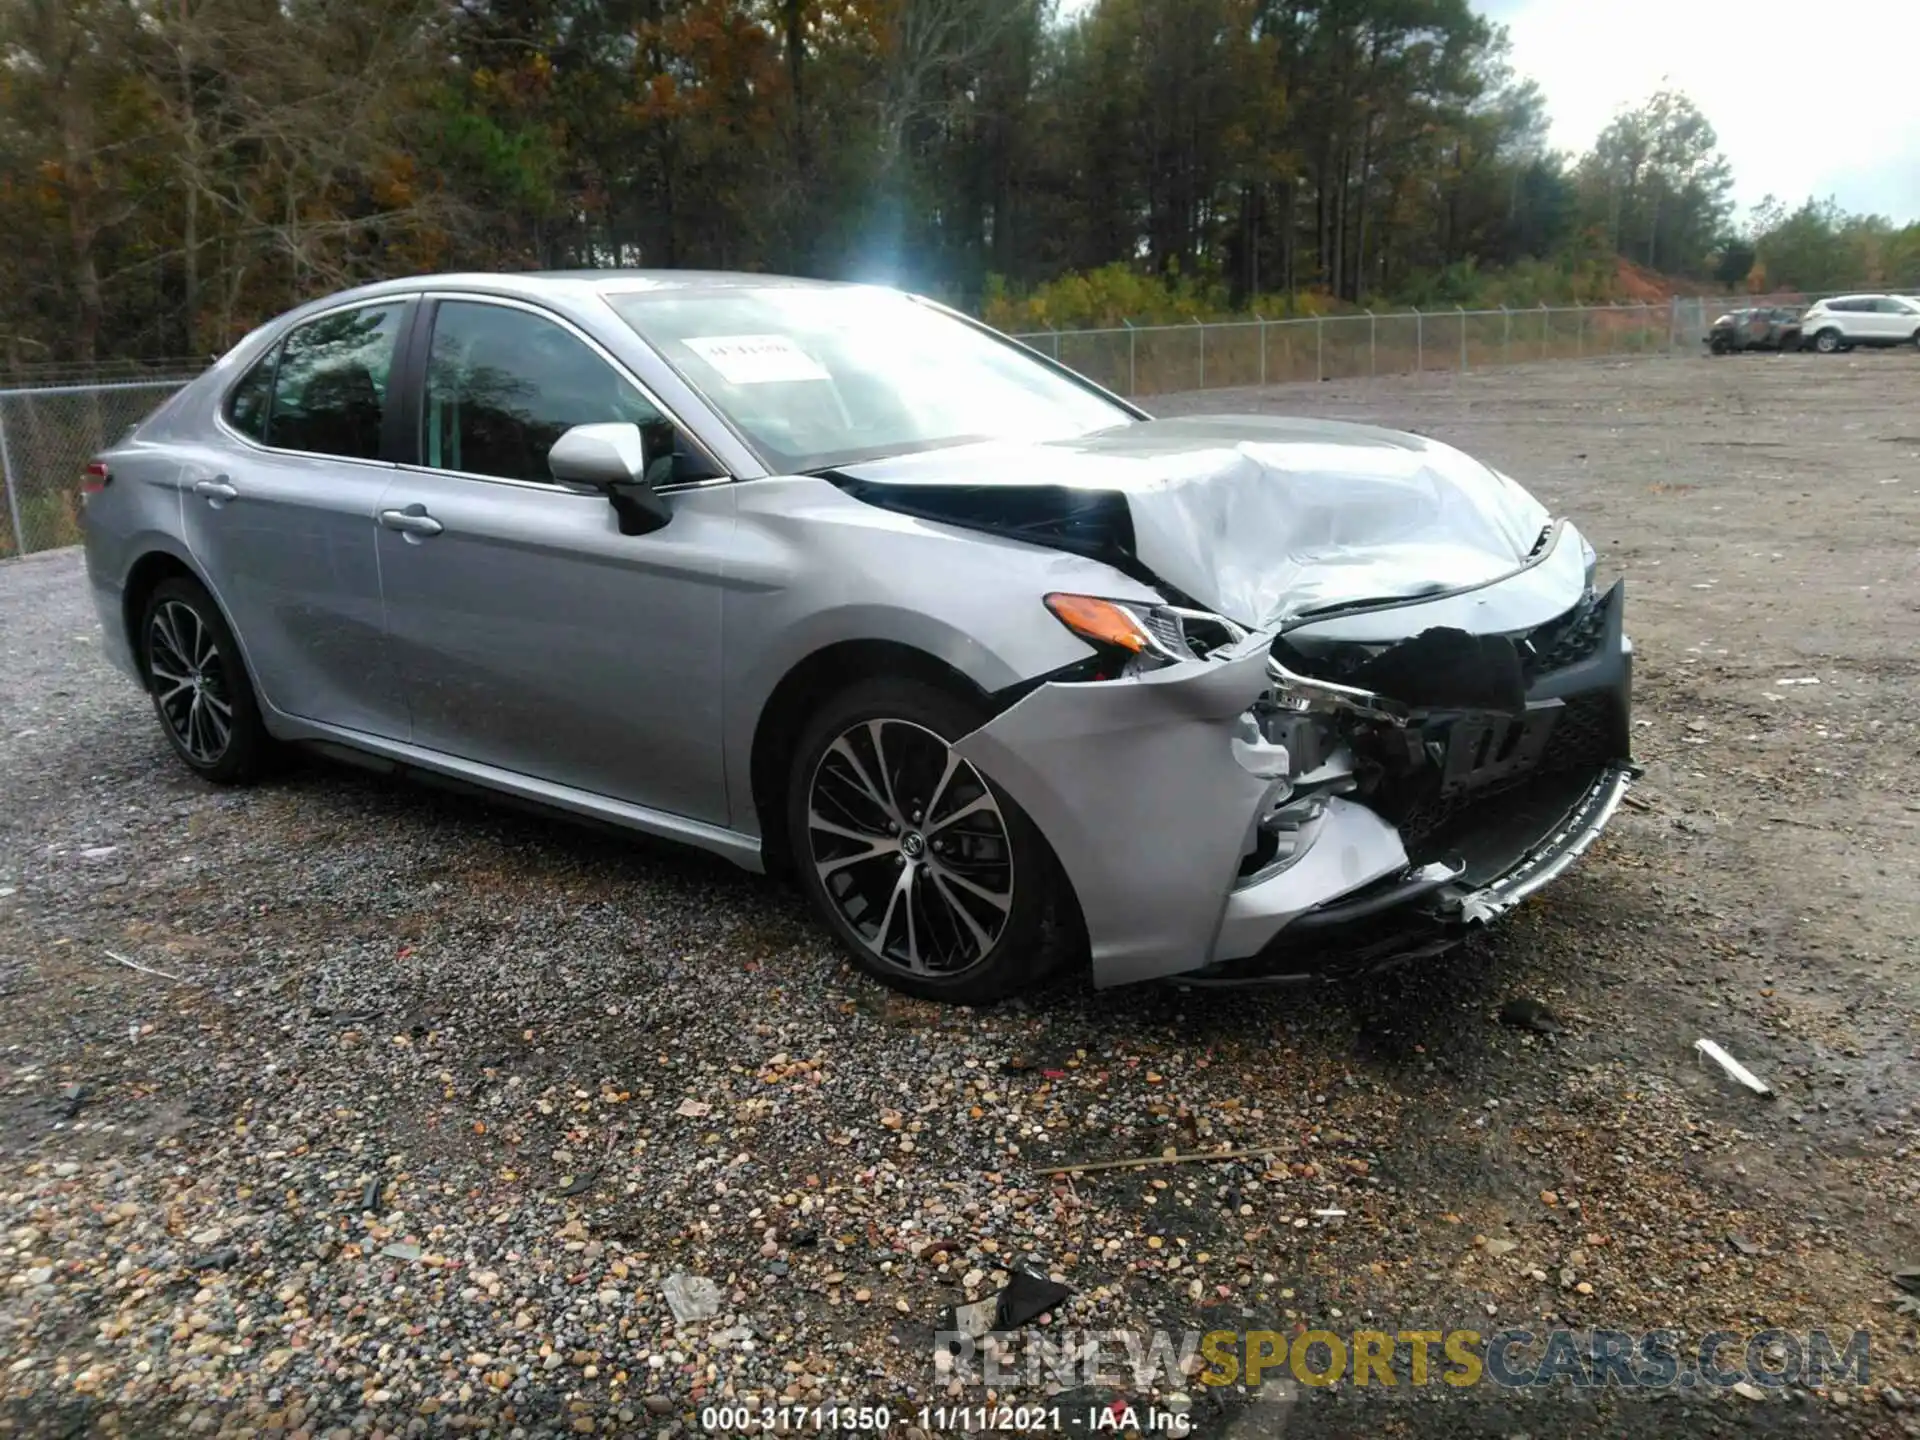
x,y
173,172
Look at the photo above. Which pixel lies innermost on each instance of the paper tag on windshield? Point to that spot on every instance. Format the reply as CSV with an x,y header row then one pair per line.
x,y
756,359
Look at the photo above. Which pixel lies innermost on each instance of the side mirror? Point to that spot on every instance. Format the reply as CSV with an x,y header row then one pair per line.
x,y
610,460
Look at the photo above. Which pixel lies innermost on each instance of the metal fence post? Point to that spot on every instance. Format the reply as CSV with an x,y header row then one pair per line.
x,y
1673,324
1580,344
1506,334
1320,347
1546,319
1263,346
1203,352
1133,373
1373,344
1419,340
6,483
1056,341
1463,337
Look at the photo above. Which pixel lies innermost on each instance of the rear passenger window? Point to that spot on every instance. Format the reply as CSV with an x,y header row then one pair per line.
x,y
503,385
247,405
330,392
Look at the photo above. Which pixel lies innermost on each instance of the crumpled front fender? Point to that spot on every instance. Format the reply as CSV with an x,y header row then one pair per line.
x,y
1135,784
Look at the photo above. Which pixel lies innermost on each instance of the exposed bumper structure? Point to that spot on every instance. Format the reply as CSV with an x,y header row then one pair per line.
x,y
1214,832
1412,913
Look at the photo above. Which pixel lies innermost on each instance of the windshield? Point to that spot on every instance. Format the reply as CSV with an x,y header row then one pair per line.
x,y
818,378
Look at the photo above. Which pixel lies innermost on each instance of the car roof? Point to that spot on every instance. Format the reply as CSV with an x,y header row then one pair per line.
x,y
532,283
686,280
577,291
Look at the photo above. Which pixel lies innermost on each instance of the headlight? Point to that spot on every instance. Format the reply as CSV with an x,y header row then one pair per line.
x,y
1111,623
1150,635
1592,559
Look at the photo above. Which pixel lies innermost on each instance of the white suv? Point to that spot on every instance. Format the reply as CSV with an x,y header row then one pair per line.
x,y
1849,320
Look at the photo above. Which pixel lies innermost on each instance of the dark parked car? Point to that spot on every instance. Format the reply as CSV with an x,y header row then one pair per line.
x,y
1766,327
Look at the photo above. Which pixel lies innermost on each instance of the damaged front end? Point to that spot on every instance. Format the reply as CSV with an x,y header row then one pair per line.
x,y
1356,788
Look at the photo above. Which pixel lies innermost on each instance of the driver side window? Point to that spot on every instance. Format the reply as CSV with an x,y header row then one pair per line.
x,y
503,384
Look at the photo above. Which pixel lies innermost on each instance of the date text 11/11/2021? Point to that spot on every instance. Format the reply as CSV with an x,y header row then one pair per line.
x,y
944,1419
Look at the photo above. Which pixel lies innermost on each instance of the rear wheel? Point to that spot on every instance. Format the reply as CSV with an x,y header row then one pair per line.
x,y
199,685
1827,341
932,878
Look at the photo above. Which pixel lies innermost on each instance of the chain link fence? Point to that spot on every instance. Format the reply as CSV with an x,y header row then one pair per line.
x,y
47,435
1141,360
49,431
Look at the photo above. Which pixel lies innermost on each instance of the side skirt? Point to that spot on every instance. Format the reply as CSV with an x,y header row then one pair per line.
x,y
742,850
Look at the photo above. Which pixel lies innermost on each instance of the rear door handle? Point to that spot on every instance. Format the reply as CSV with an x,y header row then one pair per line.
x,y
216,489
413,520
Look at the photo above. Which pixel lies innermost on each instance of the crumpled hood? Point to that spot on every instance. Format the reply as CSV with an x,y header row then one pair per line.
x,y
1264,518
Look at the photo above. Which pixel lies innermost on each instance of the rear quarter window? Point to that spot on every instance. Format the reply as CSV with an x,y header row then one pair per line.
x,y
247,402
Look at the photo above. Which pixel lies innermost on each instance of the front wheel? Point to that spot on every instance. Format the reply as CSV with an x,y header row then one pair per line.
x,y
1827,342
932,878
199,685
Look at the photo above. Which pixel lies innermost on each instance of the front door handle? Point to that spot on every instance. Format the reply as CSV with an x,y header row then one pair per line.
x,y
411,521
217,489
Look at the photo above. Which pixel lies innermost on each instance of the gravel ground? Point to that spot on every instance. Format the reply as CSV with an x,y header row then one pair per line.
x,y
433,1095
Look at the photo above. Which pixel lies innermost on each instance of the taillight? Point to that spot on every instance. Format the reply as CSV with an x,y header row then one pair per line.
x,y
96,478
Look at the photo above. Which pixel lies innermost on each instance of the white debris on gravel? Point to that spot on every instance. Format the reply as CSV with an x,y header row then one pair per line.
x,y
692,1297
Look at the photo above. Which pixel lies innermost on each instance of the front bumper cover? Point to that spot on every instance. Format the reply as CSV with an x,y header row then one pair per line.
x,y
1150,805
1136,787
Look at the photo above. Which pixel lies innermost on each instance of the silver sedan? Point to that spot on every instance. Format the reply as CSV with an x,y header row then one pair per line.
x,y
839,584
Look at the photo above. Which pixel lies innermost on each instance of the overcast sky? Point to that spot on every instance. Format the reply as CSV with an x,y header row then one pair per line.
x,y
1808,99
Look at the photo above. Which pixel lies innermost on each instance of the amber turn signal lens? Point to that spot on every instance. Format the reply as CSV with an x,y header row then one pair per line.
x,y
1101,621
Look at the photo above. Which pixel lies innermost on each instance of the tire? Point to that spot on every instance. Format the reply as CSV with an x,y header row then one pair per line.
x,y
1720,345
198,681
964,924
1916,339
1827,342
